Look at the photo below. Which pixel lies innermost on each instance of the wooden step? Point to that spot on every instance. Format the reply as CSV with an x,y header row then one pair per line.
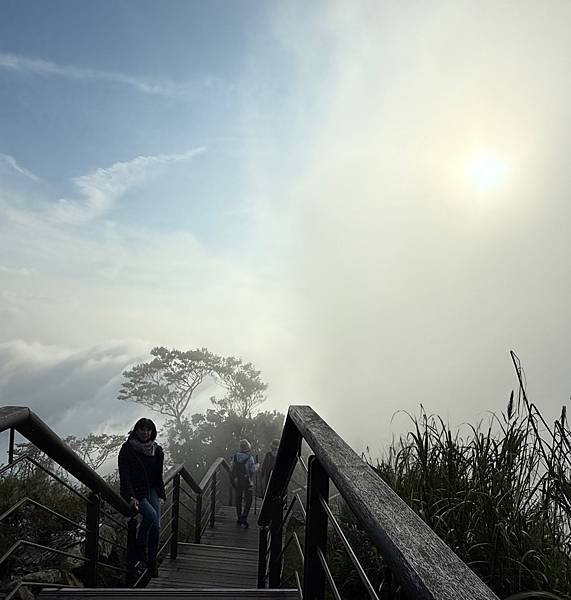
x,y
167,594
202,566
227,533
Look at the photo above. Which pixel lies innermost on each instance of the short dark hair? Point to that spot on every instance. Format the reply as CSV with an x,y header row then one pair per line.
x,y
145,424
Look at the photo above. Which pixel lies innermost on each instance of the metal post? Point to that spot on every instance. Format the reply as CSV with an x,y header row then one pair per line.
x,y
314,579
262,557
92,538
198,519
276,542
11,447
175,513
213,500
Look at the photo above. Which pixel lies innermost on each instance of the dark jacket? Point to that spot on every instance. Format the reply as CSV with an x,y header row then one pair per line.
x,y
268,467
133,477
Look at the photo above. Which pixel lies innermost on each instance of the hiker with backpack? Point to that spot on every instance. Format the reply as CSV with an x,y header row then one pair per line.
x,y
243,469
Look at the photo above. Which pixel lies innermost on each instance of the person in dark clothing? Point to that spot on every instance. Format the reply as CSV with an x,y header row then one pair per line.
x,y
268,464
141,485
243,469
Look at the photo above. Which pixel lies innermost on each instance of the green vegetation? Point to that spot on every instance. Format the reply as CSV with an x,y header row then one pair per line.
x,y
498,495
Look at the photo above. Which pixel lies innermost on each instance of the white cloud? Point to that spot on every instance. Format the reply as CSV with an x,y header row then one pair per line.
x,y
13,164
15,270
47,68
98,190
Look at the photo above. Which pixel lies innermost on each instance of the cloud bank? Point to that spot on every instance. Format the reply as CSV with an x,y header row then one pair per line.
x,y
73,390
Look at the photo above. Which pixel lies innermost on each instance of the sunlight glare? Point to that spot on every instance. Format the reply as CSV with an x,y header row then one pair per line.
x,y
487,171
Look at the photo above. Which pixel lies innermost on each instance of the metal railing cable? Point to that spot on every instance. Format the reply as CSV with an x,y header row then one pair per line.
x,y
360,571
49,472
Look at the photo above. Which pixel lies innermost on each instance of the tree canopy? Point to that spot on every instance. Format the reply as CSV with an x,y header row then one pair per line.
x,y
245,389
166,385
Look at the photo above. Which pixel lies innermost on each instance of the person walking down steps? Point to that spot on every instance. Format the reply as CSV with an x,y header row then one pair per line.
x,y
142,486
243,470
268,464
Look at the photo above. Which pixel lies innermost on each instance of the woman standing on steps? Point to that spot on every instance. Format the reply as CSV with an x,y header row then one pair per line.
x,y
141,485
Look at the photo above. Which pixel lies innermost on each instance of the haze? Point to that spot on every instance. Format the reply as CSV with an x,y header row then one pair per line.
x,y
368,200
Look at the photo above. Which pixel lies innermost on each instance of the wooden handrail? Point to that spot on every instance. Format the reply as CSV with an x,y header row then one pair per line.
x,y
28,424
423,564
180,469
219,462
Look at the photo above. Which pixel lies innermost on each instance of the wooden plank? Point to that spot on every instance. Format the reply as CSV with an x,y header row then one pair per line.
x,y
207,566
226,532
424,565
171,594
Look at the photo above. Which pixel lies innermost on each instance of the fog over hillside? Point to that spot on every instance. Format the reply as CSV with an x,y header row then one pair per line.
x,y
367,200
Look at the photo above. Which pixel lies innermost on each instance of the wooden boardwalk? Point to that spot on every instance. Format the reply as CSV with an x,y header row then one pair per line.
x,y
223,567
160,594
226,558
226,532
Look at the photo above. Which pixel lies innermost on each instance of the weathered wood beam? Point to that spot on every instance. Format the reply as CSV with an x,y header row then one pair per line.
x,y
422,563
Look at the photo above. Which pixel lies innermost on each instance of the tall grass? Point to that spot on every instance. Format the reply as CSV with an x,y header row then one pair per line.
x,y
499,493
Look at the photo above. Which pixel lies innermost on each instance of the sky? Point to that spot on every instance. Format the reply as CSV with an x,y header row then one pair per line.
x,y
367,200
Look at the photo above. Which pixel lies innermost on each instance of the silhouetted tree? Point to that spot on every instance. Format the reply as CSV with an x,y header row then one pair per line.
x,y
167,382
245,388
217,433
95,449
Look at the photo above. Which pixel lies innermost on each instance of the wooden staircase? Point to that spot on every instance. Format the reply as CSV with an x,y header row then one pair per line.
x,y
222,567
166,594
206,566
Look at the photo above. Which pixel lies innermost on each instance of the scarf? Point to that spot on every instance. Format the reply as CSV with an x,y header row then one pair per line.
x,y
147,448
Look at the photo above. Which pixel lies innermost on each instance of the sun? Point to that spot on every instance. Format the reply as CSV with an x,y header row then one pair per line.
x,y
487,171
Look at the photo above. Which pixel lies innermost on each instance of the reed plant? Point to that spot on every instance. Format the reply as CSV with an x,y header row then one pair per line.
x,y
498,493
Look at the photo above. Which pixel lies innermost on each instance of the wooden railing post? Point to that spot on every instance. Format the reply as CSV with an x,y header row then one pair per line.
x,y
198,519
11,447
92,538
314,579
131,550
175,513
213,500
276,542
262,557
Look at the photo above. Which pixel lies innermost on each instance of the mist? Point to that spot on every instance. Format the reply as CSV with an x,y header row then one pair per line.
x,y
325,216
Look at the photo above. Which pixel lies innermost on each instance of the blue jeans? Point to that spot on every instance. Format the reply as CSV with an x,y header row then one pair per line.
x,y
148,534
243,494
